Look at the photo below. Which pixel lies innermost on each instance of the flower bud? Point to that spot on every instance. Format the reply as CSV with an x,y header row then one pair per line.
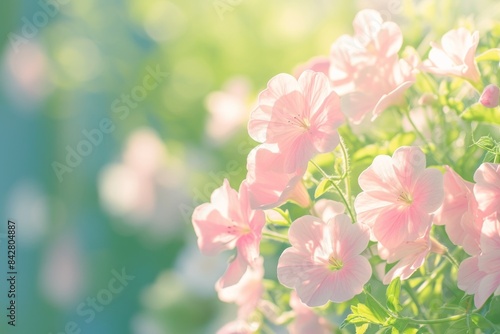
x,y
490,96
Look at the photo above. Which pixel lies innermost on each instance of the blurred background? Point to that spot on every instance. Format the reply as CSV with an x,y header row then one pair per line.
x,y
118,117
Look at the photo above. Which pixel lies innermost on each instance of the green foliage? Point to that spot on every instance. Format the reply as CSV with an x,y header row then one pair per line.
x,y
479,113
490,55
393,292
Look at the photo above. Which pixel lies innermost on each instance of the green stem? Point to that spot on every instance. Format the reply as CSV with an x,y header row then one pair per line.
x,y
275,236
326,176
421,136
334,184
347,170
342,196
451,259
436,321
413,297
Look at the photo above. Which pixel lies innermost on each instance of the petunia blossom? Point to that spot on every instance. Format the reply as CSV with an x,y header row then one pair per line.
x,y
247,293
372,41
459,212
399,194
454,56
228,222
269,185
300,116
306,320
365,68
324,262
487,188
480,275
409,256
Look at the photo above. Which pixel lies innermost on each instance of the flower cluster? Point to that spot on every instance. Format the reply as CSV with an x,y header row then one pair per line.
x,y
387,231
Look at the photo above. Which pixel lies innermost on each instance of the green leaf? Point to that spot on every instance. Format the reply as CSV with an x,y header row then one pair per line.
x,y
377,310
489,55
491,157
401,139
486,143
361,329
361,314
493,313
322,188
481,321
392,293
286,216
478,112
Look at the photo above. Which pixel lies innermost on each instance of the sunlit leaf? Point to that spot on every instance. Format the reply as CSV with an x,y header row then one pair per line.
x,y
392,293
479,113
489,55
322,188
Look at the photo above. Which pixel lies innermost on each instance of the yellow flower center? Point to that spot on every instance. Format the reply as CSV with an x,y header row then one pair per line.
x,y
405,197
334,264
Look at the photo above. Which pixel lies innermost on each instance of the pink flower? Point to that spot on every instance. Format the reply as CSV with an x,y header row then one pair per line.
x,y
317,64
228,109
487,188
399,194
306,320
326,209
269,185
324,262
410,256
490,96
455,55
239,327
459,213
480,275
373,40
228,222
247,293
365,68
300,116
377,87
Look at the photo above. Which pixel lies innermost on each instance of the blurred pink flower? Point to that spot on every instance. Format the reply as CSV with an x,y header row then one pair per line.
x,y
480,275
145,152
228,109
487,188
300,116
374,40
324,262
239,327
454,55
459,213
306,320
365,68
490,96
269,185
228,222
399,194
247,293
317,64
410,256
